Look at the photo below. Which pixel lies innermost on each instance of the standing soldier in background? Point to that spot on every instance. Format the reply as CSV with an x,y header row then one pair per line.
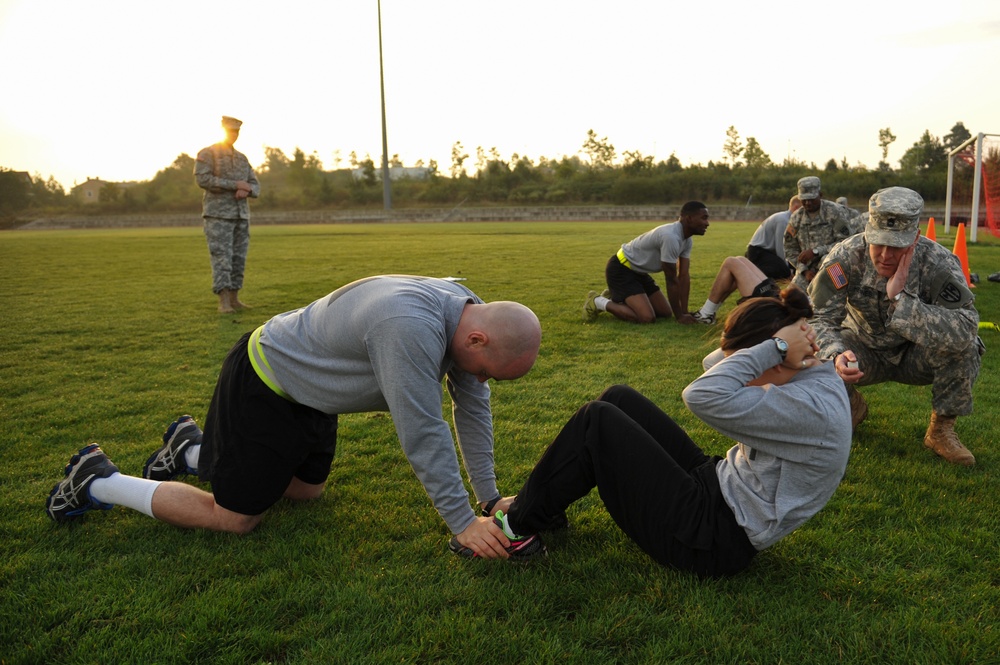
x,y
814,229
225,175
892,306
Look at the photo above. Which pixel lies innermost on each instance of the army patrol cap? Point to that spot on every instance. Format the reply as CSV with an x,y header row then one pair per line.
x,y
231,123
893,217
808,188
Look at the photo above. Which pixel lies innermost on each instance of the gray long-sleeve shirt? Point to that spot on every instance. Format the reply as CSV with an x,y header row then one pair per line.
x,y
793,440
381,344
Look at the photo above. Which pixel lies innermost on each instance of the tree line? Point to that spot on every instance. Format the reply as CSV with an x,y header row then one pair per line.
x,y
597,174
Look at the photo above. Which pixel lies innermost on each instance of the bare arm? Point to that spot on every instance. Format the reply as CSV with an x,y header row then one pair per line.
x,y
678,278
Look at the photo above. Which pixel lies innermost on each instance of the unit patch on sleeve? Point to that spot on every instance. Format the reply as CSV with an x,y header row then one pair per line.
x,y
949,293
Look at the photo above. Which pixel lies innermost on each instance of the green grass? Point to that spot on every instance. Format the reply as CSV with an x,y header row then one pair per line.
x,y
109,335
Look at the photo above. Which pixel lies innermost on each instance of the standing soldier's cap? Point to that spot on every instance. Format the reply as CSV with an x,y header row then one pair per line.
x,y
231,123
808,188
893,217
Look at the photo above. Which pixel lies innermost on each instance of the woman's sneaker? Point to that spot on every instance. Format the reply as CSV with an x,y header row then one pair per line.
x,y
168,462
71,498
522,548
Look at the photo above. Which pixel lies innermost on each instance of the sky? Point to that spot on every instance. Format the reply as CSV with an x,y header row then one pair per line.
x,y
118,90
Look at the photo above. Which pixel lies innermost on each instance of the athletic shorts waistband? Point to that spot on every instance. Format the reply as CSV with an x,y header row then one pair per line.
x,y
260,365
624,261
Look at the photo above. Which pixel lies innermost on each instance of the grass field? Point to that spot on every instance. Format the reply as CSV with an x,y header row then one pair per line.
x,y
107,336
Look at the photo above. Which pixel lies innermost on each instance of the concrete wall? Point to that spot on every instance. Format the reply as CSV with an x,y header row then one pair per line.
x,y
651,214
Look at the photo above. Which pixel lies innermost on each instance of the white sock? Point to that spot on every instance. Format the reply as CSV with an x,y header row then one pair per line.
x,y
601,303
192,455
709,307
129,491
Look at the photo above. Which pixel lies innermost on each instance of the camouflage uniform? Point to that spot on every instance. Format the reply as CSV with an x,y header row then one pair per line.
x,y
927,336
819,232
227,219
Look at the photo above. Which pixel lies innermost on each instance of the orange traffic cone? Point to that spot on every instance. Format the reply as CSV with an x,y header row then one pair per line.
x,y
963,257
930,235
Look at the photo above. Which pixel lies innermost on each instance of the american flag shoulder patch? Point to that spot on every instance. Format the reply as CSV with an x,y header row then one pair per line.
x,y
837,275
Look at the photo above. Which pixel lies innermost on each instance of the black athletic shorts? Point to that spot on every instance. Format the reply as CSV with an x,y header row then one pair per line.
x,y
255,441
624,282
767,288
772,265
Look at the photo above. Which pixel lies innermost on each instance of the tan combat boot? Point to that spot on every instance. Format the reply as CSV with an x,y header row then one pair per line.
x,y
234,300
941,438
859,407
225,302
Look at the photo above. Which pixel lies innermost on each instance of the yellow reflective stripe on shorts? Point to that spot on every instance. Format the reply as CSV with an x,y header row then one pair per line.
x,y
622,259
261,366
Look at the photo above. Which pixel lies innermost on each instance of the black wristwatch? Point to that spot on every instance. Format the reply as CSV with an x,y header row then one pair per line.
x,y
782,347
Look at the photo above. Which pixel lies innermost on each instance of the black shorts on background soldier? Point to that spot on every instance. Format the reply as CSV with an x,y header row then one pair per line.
x,y
894,306
766,248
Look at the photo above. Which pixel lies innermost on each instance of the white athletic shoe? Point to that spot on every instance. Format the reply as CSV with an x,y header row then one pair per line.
x,y
707,319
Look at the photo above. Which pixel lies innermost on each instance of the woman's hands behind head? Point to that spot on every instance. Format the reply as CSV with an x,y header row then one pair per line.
x,y
802,348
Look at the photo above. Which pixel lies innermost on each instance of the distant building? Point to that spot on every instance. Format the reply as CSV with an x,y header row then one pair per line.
x,y
23,176
90,191
396,173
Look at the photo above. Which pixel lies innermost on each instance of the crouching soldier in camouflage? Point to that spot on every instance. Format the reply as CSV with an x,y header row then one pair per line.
x,y
815,228
225,175
893,306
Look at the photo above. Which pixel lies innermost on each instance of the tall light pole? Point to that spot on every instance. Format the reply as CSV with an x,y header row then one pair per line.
x,y
386,189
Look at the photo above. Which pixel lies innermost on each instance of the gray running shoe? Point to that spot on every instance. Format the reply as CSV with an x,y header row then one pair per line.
x,y
590,311
71,498
168,462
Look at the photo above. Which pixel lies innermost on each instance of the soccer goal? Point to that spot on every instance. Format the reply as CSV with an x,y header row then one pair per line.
x,y
974,185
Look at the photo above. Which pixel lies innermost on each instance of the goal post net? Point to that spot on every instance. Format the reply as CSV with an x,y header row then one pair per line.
x,y
974,185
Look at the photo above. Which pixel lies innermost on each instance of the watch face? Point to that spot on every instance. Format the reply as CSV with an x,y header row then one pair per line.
x,y
782,346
